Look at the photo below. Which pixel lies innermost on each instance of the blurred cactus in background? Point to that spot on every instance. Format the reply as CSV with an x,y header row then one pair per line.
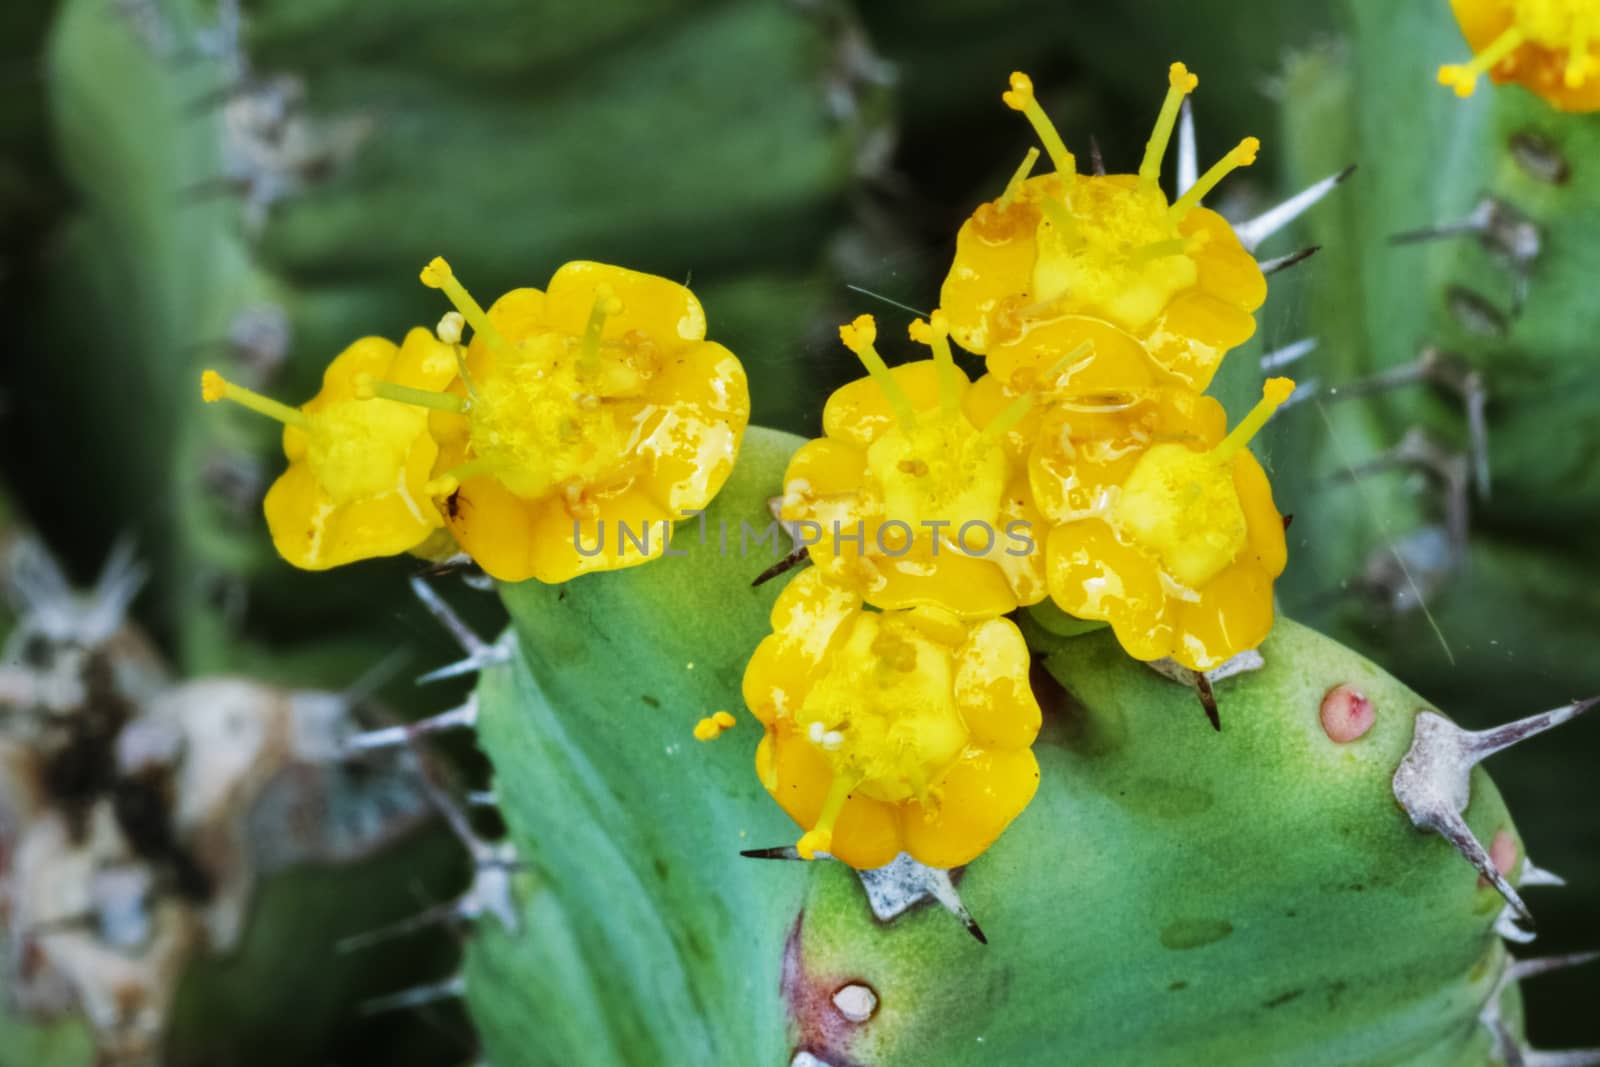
x,y
232,830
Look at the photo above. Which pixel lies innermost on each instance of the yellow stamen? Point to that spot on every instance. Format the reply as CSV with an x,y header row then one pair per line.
x,y
1180,83
1577,71
708,729
1175,246
1018,409
820,837
1464,77
451,480
935,333
214,387
724,719
1243,154
859,337
1020,175
369,388
1020,98
437,275
605,305
1009,416
1273,394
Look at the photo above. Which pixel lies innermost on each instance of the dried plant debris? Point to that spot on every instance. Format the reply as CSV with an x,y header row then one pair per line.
x,y
138,814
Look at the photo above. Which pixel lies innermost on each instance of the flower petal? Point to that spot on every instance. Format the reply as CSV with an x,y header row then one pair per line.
x,y
978,798
664,311
859,412
991,686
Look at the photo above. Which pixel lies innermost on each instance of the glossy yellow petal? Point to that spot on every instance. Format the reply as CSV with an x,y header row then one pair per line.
x,y
1234,613
1019,551
624,530
859,412
977,800
823,467
1093,575
967,586
1115,359
493,526
1265,525
665,312
370,355
991,686
993,264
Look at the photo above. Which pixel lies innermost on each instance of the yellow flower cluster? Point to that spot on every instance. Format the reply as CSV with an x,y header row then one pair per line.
x,y
1551,47
1085,465
576,426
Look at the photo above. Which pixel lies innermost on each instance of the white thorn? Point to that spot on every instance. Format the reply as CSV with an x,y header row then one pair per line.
x,y
903,882
483,798
1578,1057
1243,663
1289,353
464,715
1269,222
492,655
1532,968
470,643
1433,781
1188,152
1508,928
417,996
1534,875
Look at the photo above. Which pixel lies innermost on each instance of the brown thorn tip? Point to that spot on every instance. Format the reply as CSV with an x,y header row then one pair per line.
x,y
787,563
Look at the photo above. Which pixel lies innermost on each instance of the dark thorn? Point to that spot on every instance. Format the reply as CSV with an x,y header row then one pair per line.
x,y
1208,699
787,563
1273,266
1437,233
776,852
1098,164
975,930
1540,158
1288,520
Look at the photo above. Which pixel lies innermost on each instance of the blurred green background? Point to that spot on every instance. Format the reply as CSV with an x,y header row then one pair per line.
x,y
184,184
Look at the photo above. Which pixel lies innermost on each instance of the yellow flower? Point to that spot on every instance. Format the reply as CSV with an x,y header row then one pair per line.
x,y
1172,274
357,468
896,731
587,420
917,494
1552,47
1162,526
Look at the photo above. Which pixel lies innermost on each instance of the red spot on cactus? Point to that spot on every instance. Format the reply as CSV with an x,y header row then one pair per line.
x,y
822,1026
1503,851
1346,714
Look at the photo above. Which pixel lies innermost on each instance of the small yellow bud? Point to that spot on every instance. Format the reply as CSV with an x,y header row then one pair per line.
x,y
707,729
724,719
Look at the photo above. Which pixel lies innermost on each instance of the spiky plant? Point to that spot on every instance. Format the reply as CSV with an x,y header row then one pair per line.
x,y
1283,884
